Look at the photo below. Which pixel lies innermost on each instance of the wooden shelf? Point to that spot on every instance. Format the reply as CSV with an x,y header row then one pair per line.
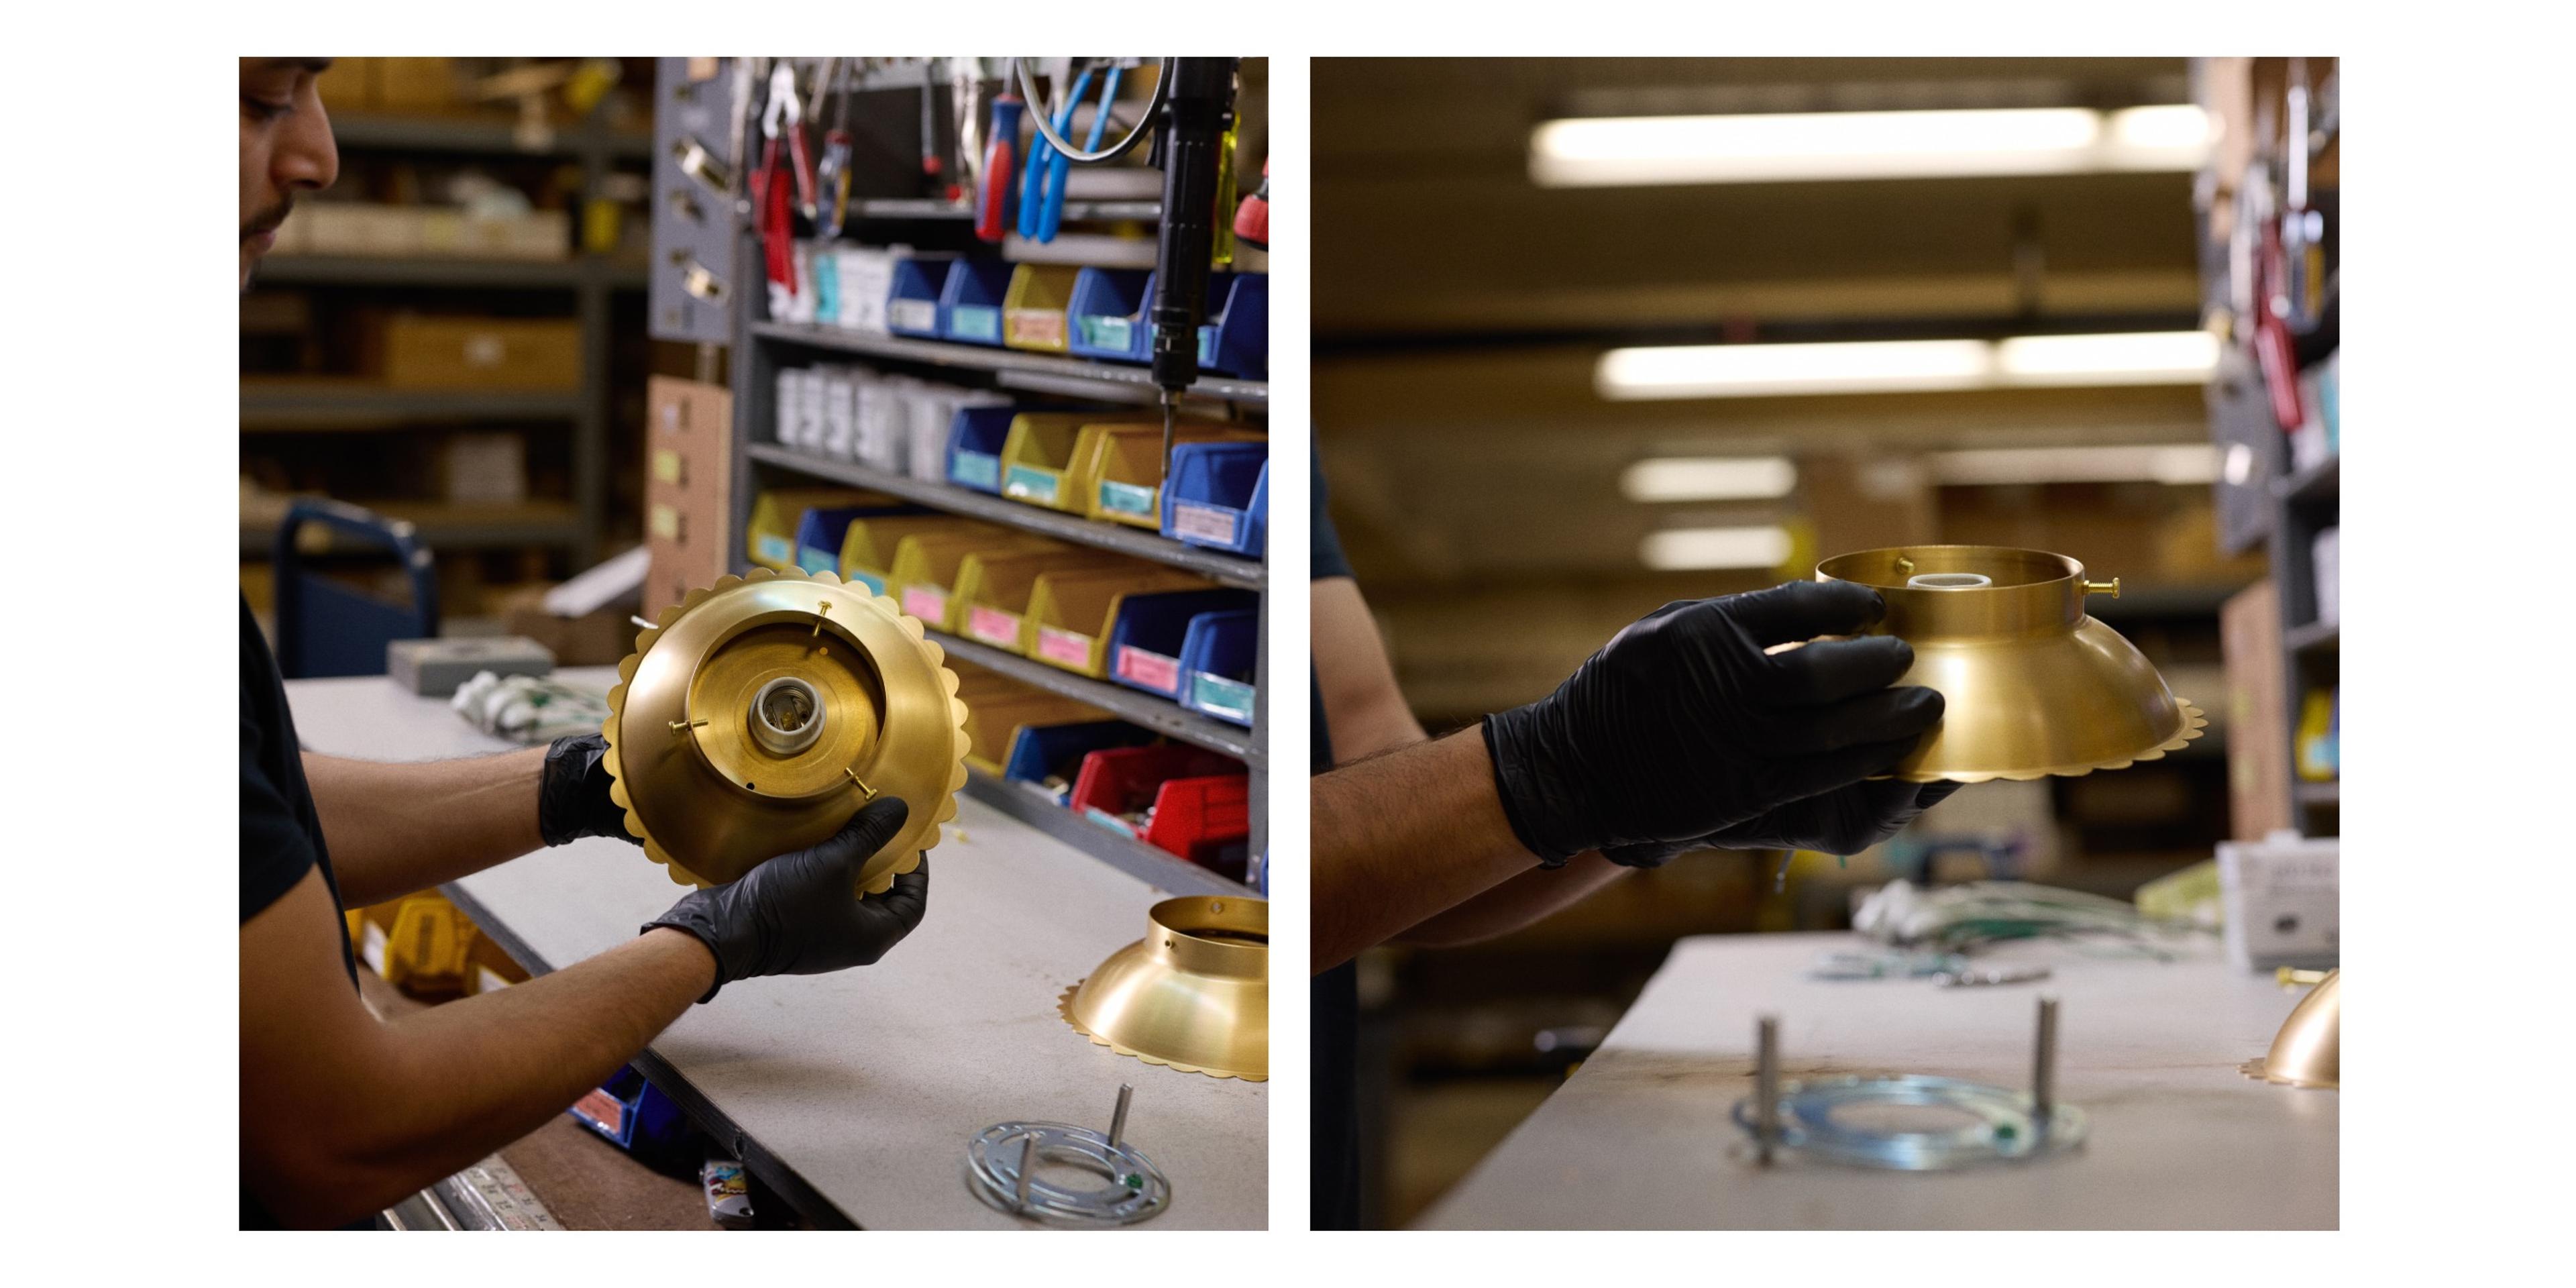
x,y
324,404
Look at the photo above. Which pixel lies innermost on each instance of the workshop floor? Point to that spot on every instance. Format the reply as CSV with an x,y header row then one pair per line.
x,y
586,1182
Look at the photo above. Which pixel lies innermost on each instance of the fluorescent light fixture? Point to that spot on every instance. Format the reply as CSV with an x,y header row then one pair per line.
x,y
1709,478
2181,464
1689,548
1616,151
1906,366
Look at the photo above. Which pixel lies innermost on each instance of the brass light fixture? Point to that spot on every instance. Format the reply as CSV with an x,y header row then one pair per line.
x,y
760,713
1194,993
2034,686
2309,1050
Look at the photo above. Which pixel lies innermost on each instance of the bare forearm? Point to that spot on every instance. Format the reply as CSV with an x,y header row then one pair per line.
x,y
459,1081
398,828
1404,837
1522,901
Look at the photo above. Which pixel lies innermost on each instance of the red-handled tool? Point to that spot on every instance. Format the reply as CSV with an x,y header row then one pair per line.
x,y
778,168
993,205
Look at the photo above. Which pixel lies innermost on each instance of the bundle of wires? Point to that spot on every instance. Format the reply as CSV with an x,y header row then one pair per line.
x,y
1962,917
528,708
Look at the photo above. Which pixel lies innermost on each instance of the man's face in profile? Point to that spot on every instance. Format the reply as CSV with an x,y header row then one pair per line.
x,y
286,147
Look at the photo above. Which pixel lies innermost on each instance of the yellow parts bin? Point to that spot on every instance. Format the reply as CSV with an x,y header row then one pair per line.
x,y
1033,307
770,539
1122,465
928,564
1070,617
870,546
1036,455
419,943
994,588
998,708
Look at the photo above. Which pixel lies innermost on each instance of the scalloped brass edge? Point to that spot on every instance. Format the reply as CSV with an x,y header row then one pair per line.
x,y
2195,722
908,624
1064,1007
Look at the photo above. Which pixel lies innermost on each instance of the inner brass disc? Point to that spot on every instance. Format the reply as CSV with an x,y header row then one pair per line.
x,y
2033,686
1194,993
762,712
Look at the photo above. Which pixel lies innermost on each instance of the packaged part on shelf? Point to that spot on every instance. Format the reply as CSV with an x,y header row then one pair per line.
x,y
483,354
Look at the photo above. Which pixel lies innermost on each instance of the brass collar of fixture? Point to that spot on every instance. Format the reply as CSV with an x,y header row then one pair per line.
x,y
1194,993
2032,685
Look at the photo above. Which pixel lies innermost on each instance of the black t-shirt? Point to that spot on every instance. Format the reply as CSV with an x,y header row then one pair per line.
x,y
281,836
1333,1186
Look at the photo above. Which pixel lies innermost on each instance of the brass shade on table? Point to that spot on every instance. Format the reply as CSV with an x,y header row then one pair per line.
x,y
1194,993
762,712
2309,1050
2033,687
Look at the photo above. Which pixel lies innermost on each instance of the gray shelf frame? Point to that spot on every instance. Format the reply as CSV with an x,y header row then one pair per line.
x,y
1137,543
943,353
1135,706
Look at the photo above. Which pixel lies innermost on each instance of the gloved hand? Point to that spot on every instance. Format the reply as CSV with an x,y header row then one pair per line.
x,y
572,794
1681,727
1846,820
800,914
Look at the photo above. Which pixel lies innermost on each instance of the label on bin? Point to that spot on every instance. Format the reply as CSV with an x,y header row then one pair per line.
x,y
774,550
913,315
603,1111
1032,327
1203,522
928,603
1064,648
874,583
1026,484
1153,670
976,470
976,322
1109,333
1220,696
1108,820
1207,347
993,626
1126,498
817,559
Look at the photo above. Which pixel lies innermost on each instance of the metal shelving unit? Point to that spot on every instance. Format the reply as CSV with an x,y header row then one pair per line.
x,y
761,346
592,281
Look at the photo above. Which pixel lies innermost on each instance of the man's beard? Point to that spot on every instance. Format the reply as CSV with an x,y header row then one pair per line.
x,y
267,221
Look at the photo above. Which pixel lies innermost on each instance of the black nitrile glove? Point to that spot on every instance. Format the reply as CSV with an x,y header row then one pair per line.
x,y
1846,820
1681,727
572,794
800,914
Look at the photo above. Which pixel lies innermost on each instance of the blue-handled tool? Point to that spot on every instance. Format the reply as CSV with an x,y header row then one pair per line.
x,y
1043,185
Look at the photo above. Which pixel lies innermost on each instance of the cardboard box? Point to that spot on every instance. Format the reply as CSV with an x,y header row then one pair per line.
x,y
2258,733
483,469
2283,902
603,638
688,522
426,85
482,353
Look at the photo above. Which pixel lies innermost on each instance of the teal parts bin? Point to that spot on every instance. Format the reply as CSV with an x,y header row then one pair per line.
x,y
1145,642
912,304
970,305
1108,313
1216,664
1219,497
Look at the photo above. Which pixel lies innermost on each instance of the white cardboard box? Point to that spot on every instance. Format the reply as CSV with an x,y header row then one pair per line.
x,y
2283,901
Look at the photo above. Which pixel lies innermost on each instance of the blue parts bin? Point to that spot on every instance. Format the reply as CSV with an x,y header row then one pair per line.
x,y
1108,315
1216,664
1236,339
912,305
1145,643
970,305
1219,497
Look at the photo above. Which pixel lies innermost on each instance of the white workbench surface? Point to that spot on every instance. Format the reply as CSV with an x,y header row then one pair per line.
x,y
1639,1137
868,1083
